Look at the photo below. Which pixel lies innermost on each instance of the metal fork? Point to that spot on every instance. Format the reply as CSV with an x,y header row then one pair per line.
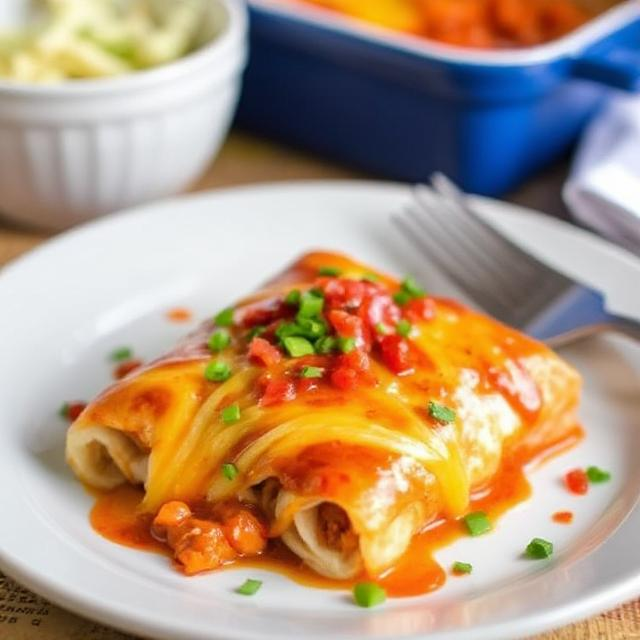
x,y
499,276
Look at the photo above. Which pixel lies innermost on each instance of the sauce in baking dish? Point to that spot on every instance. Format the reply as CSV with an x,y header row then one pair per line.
x,y
474,23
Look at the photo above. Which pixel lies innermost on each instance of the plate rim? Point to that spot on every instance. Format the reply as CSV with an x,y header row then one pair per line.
x,y
486,203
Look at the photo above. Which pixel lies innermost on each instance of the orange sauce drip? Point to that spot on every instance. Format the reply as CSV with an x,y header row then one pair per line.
x,y
115,516
562,517
179,314
476,24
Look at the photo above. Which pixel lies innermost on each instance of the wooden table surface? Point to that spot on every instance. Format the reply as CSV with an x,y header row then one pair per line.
x,y
243,160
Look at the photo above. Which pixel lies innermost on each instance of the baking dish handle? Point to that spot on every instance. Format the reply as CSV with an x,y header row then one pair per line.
x,y
618,68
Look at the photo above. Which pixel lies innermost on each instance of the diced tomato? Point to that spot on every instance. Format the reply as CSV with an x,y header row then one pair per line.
x,y
345,324
577,481
354,293
350,326
277,391
420,309
246,533
75,409
329,286
125,368
264,352
344,378
380,309
333,290
342,293
357,360
396,354
353,371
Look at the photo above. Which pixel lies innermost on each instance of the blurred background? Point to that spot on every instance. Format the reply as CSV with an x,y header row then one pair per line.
x,y
106,104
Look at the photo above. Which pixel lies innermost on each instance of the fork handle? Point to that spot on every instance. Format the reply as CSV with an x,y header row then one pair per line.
x,y
624,326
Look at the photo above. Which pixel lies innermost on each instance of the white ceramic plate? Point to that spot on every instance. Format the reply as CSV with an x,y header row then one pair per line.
x,y
65,306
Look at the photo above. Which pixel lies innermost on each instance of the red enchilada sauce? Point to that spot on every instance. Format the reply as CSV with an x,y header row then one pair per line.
x,y
371,335
115,517
473,23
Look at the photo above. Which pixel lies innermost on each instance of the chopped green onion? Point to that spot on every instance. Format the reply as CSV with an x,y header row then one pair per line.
x,y
404,328
538,549
217,371
329,271
311,372
439,412
370,277
368,594
230,414
297,347
293,298
287,329
401,298
120,354
326,345
597,475
258,330
224,318
311,328
219,340
382,329
410,285
310,305
346,345
63,411
462,567
249,588
477,523
229,471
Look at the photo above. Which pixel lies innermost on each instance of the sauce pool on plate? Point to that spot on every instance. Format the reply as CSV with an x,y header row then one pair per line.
x,y
562,517
179,315
115,516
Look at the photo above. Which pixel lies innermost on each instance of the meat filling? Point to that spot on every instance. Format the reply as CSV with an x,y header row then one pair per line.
x,y
335,528
202,544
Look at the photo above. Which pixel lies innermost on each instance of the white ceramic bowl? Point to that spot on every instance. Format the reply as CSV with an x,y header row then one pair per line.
x,y
80,149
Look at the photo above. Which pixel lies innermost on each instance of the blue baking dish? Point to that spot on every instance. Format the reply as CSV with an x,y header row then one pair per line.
x,y
403,107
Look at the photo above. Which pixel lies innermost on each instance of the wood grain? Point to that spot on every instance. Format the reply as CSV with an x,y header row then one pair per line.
x,y
245,160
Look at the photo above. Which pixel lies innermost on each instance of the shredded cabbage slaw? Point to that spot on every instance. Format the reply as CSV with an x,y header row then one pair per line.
x,y
73,39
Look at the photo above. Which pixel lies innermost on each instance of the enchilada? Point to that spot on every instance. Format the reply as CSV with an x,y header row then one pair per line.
x,y
338,412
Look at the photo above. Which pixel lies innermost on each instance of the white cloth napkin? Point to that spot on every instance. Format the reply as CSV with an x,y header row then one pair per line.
x,y
603,190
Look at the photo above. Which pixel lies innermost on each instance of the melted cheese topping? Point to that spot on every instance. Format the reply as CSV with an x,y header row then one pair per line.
x,y
472,364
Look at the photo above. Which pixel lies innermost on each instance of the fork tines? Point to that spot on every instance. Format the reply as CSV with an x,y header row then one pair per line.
x,y
493,271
